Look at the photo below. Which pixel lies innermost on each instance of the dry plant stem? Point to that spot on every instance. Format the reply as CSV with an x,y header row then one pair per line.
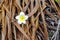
x,y
34,10
26,1
14,31
28,29
19,37
1,2
40,35
51,6
56,33
20,29
32,20
9,23
14,28
44,6
23,29
13,12
34,26
58,12
23,4
33,31
3,24
0,16
49,27
37,23
26,7
27,4
18,5
44,23
9,29
41,30
51,15
37,15
8,13
45,28
37,26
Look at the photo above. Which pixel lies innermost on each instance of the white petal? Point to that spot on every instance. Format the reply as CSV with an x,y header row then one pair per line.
x,y
19,22
26,17
24,22
22,13
17,17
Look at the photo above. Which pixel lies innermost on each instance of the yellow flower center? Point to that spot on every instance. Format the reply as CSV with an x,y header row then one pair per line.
x,y
22,18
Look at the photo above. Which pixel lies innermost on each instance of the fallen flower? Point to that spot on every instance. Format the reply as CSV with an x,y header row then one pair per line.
x,y
21,18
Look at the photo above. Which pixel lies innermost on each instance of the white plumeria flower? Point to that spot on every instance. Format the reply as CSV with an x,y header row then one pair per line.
x,y
21,18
